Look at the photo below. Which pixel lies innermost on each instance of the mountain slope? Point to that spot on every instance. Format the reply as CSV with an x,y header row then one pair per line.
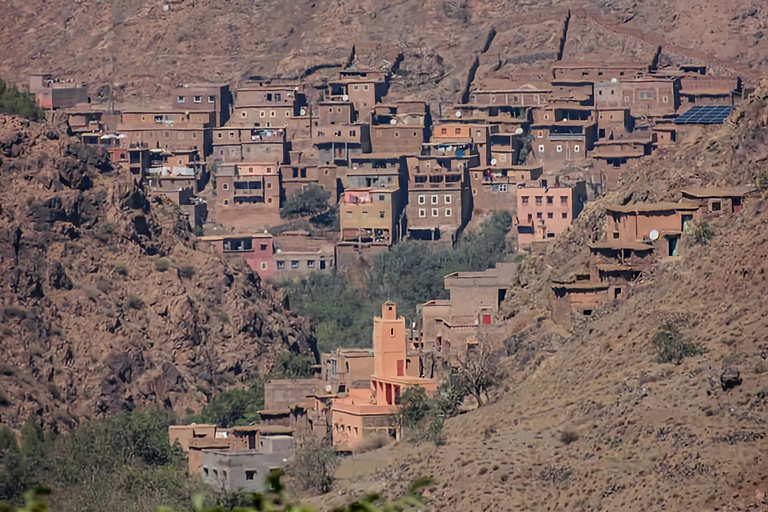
x,y
648,436
107,301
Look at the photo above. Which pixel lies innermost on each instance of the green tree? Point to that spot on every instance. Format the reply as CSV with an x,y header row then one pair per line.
x,y
234,407
292,366
20,103
310,201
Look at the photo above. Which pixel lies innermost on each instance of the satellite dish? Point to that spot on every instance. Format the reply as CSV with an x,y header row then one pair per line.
x,y
493,161
393,121
345,97
519,131
328,388
613,80
458,113
653,235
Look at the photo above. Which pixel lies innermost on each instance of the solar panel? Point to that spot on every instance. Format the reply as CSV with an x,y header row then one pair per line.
x,y
704,115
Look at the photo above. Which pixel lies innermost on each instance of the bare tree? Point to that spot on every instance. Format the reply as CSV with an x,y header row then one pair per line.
x,y
479,369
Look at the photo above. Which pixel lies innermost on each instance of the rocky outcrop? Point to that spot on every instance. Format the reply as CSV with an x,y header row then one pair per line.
x,y
91,322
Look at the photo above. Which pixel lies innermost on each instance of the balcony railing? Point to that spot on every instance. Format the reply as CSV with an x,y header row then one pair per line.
x,y
566,136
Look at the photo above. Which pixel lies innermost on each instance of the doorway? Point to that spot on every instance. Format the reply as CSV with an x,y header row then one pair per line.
x,y
673,243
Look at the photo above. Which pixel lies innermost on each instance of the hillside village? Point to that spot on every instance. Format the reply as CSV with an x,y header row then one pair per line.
x,y
541,145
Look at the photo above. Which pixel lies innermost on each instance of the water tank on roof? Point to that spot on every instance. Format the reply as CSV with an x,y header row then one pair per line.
x,y
519,131
345,97
393,121
458,113
613,80
653,235
493,161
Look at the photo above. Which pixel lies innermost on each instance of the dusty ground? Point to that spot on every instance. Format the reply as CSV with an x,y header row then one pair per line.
x,y
648,436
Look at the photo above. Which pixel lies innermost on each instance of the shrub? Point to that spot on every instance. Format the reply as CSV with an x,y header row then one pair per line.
x,y
700,233
104,285
187,271
290,365
234,407
312,466
121,268
310,201
105,231
372,442
568,436
671,347
223,317
20,103
134,302
162,264
420,417
14,311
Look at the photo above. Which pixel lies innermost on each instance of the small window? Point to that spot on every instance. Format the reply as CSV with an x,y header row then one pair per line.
x,y
539,200
263,247
422,213
272,113
503,188
665,99
250,474
243,113
352,133
205,471
541,148
576,148
365,87
180,99
322,264
225,186
310,263
443,131
422,199
457,131
559,148
263,114
550,200
716,206
294,263
365,215
263,265
565,215
448,199
226,202
435,199
435,212
269,185
525,199
280,265
550,215
539,215
645,95
541,134
349,214
448,212
356,87
564,200
211,99
198,99
381,197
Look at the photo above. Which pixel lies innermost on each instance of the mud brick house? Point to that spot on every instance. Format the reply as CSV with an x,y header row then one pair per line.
x,y
439,197
256,249
475,298
377,170
245,468
718,201
205,97
168,129
562,134
344,369
495,188
639,222
504,95
298,177
297,254
545,211
371,216
697,90
337,144
410,112
195,438
282,394
399,128
136,160
248,194
478,136
573,91
268,103
368,411
597,71
363,88
613,122
54,94
611,154
646,97
237,144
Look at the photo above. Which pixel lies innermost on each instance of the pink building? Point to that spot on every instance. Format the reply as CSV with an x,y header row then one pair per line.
x,y
544,212
367,411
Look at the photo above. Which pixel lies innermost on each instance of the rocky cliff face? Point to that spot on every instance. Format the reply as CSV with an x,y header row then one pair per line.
x,y
107,301
591,420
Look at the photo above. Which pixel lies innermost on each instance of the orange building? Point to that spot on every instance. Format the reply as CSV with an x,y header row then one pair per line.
x,y
544,212
366,411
